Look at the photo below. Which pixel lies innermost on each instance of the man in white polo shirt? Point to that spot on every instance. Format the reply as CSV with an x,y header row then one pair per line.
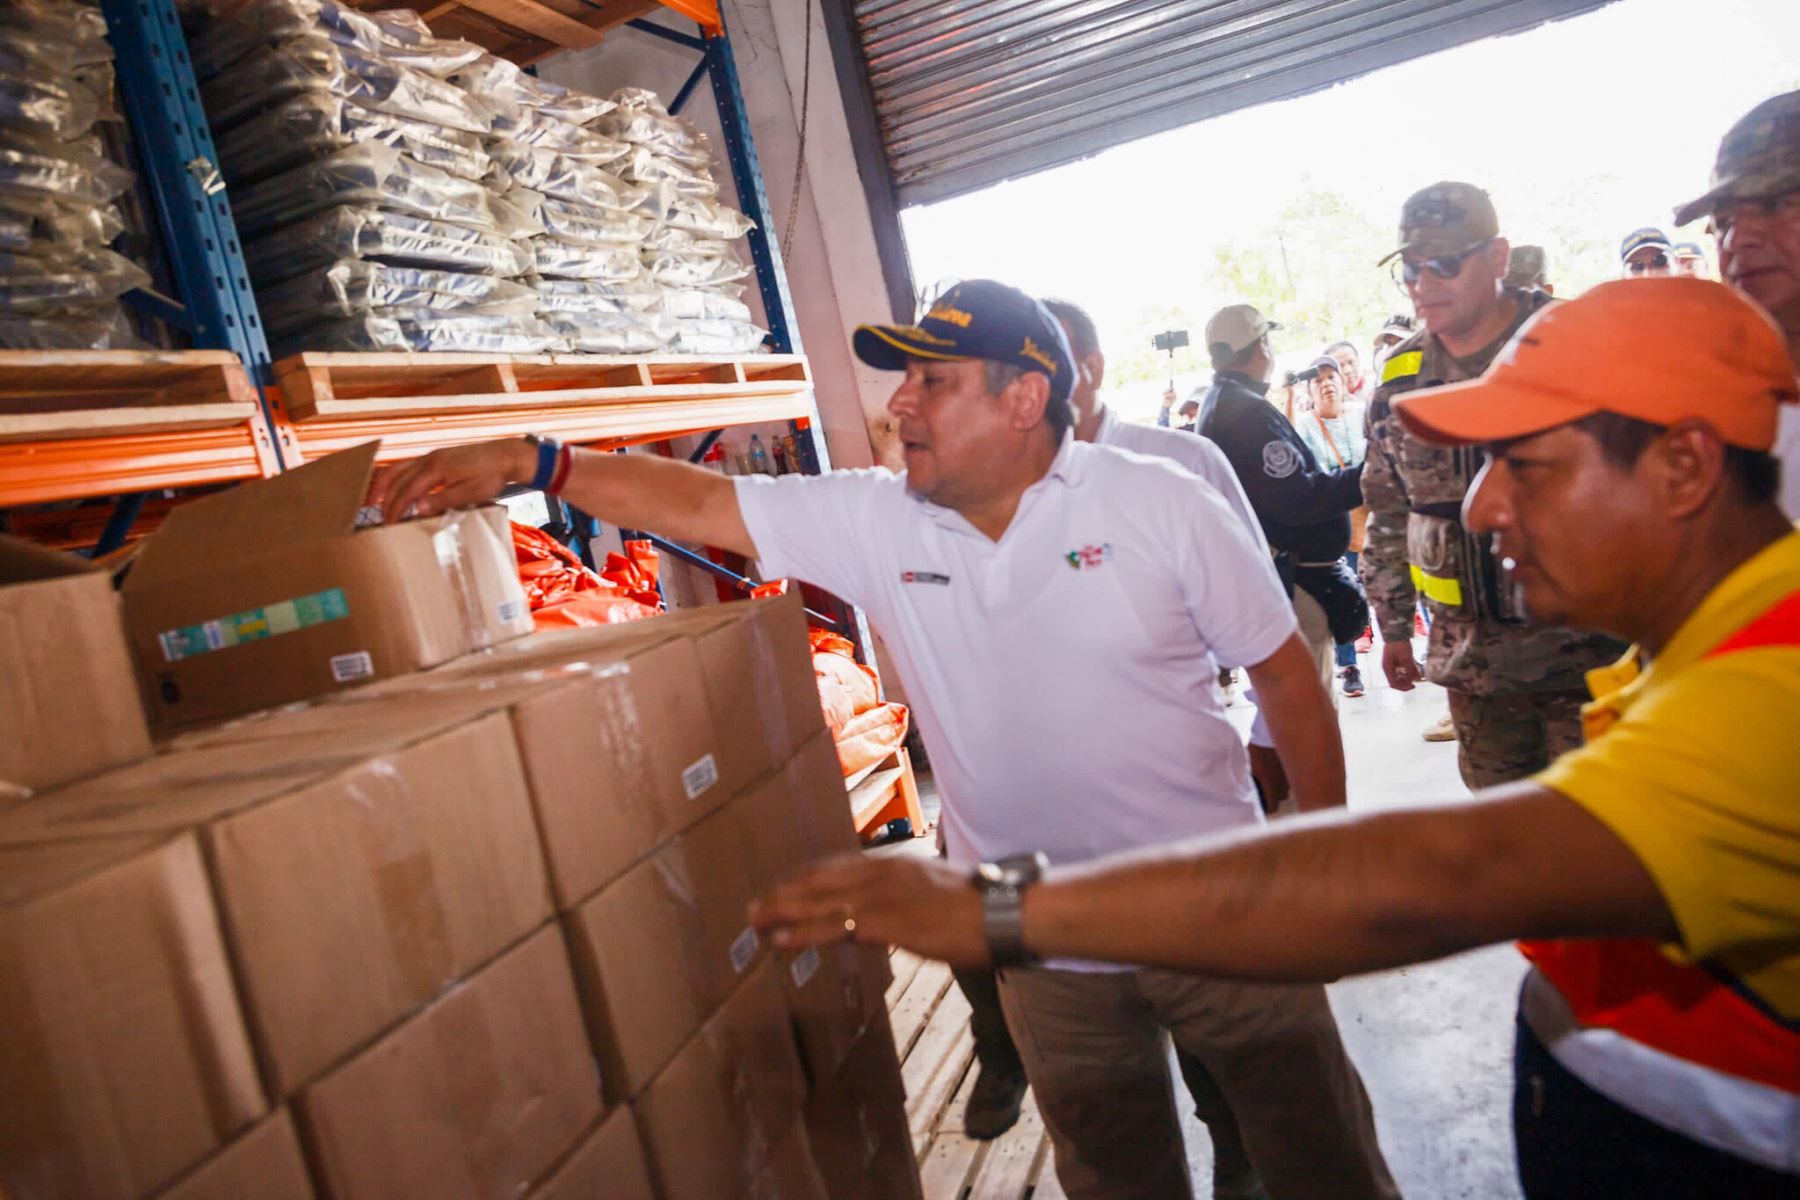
x,y
1057,611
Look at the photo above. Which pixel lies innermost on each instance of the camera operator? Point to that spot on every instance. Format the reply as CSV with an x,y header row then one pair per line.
x,y
1304,511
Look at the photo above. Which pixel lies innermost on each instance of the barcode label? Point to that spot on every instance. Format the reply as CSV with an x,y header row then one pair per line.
x,y
699,775
347,668
743,951
511,610
805,967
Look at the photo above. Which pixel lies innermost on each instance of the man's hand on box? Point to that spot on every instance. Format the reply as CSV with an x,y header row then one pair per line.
x,y
446,479
925,905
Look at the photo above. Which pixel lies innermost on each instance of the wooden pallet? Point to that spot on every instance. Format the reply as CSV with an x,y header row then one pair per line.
x,y
316,386
528,30
888,792
48,395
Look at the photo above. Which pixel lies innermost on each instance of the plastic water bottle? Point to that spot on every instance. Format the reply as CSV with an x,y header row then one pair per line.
x,y
759,457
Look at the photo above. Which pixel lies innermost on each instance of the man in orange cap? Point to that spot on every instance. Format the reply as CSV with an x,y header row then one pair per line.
x,y
1657,868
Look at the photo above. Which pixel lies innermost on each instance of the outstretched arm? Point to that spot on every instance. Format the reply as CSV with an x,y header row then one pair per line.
x,y
1313,898
635,491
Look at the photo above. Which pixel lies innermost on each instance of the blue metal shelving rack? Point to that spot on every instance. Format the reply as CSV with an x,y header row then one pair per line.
x,y
216,306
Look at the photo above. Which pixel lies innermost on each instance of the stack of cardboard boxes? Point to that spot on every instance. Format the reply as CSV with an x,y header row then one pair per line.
x,y
472,931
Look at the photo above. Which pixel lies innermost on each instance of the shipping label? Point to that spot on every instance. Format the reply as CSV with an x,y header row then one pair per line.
x,y
253,625
348,668
805,967
743,950
699,775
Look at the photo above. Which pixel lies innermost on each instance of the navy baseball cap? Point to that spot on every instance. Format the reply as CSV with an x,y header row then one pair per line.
x,y
977,319
1637,239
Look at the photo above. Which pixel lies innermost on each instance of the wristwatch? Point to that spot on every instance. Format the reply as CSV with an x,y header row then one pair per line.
x,y
1002,886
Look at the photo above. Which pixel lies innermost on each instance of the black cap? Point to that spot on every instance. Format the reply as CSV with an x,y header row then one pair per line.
x,y
977,319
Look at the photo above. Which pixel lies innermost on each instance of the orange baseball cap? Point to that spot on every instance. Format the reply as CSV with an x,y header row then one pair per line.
x,y
1659,350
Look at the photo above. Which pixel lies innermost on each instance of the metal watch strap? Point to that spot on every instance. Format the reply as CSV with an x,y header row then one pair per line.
x,y
1002,885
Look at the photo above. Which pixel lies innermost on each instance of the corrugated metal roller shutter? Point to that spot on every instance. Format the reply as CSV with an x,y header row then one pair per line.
x,y
970,92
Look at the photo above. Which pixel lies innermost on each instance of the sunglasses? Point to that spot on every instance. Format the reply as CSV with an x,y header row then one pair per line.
x,y
1444,266
1656,262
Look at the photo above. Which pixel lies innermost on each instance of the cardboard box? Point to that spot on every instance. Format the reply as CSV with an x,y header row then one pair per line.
x,y
833,994
358,871
264,1163
124,1058
857,1123
266,593
609,1165
620,756
713,1115
66,683
479,1095
483,569
789,1173
799,815
659,949
760,683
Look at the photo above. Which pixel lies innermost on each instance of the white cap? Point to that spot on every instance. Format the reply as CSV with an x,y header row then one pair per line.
x,y
1238,326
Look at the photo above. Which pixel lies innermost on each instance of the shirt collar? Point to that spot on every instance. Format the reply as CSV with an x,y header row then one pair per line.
x,y
1109,422
1066,468
1705,627
1259,386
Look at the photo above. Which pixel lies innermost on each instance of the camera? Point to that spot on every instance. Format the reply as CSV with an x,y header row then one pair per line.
x,y
1306,376
1170,340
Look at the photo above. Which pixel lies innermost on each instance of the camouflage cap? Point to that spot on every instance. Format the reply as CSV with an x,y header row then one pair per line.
x,y
1526,266
1760,156
1445,218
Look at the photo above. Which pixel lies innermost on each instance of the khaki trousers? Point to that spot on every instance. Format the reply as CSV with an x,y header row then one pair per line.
x,y
1094,1051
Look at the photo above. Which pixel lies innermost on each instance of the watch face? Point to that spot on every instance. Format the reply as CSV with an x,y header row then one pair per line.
x,y
992,874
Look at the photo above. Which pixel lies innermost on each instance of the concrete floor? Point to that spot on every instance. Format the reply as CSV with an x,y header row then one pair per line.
x,y
1433,1042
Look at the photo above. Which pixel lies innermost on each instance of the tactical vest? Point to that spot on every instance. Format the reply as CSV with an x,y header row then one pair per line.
x,y
1454,568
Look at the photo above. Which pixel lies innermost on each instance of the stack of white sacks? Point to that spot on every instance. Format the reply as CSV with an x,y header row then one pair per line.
x,y
60,281
396,191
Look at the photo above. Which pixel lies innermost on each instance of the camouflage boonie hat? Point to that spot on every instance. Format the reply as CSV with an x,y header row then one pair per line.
x,y
1445,218
1525,266
1760,156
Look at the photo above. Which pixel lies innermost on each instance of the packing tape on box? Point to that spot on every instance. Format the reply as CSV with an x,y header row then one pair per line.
x,y
469,554
406,888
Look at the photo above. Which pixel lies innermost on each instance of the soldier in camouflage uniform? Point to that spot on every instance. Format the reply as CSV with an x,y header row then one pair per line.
x,y
1515,691
1753,208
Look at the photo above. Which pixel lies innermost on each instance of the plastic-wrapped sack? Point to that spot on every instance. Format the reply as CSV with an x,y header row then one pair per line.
x,y
370,175
350,287
430,331
41,224
514,96
613,333
864,729
66,176
32,284
45,106
53,32
397,35
595,295
565,260
645,168
317,64
374,233
685,271
671,137
637,99
316,124
564,593
693,214
702,304
580,223
666,239
718,337
520,166
98,328
560,137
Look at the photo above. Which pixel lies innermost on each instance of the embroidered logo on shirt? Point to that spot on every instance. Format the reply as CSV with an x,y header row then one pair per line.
x,y
1280,460
924,577
1089,556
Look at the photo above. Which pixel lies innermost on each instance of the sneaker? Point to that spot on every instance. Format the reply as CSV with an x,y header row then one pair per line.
x,y
1366,642
1353,684
1443,731
994,1104
1419,629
